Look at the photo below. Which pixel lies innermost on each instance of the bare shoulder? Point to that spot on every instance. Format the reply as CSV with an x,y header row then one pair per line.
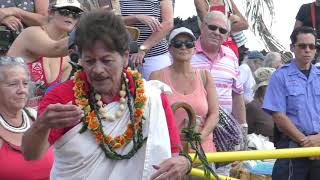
x,y
21,44
29,34
33,31
156,75
209,79
208,74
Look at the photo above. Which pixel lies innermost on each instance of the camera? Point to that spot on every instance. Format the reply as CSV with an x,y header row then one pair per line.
x,y
7,37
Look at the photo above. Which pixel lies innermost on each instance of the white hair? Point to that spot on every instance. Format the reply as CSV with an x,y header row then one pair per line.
x,y
270,59
218,14
11,62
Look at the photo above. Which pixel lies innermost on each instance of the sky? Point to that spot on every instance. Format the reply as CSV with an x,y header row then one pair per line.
x,y
285,13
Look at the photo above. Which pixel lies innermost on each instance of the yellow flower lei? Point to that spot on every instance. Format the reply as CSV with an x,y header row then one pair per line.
x,y
92,122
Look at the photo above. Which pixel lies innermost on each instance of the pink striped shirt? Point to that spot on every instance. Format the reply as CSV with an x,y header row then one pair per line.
x,y
224,70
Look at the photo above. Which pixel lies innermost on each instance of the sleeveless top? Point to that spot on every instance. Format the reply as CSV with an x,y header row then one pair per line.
x,y
40,84
27,5
13,166
198,101
149,8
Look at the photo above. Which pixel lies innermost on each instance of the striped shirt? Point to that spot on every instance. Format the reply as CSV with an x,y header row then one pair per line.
x,y
149,8
225,71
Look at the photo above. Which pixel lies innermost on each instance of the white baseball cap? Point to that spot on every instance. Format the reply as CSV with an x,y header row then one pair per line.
x,y
181,30
67,3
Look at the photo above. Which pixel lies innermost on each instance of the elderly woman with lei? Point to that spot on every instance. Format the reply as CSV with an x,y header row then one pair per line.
x,y
106,123
15,120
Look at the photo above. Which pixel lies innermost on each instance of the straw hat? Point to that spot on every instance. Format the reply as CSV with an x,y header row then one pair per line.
x,y
134,32
262,76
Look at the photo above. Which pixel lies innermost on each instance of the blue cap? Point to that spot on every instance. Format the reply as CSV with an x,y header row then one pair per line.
x,y
255,55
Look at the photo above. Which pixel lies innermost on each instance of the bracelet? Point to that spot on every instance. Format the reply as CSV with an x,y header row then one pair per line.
x,y
186,155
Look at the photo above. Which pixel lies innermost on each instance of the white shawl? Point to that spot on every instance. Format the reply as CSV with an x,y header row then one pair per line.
x,y
77,156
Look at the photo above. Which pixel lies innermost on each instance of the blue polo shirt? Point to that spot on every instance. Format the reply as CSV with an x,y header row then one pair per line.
x,y
291,92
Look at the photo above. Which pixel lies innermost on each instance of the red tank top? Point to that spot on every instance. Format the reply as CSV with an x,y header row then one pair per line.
x,y
14,167
39,80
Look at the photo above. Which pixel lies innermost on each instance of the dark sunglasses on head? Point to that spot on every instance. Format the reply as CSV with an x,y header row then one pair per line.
x,y
178,43
67,12
214,28
304,46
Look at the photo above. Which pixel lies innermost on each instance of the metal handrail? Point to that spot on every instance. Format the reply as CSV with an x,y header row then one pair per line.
x,y
261,154
254,155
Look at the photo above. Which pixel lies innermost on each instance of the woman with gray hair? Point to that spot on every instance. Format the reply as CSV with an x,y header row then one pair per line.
x,y
15,119
273,60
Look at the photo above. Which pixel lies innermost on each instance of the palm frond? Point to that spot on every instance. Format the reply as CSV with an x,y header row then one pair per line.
x,y
89,4
255,12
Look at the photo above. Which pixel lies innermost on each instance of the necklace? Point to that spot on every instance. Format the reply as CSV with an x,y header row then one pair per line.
x,y
117,115
25,125
92,121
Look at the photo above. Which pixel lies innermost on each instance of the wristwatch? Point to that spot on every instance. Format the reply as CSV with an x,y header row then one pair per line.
x,y
143,48
244,125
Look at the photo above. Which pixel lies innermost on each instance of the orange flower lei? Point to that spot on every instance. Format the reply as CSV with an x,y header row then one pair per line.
x,y
92,122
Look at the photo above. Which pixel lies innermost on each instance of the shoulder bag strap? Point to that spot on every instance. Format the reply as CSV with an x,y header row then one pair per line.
x,y
313,15
203,77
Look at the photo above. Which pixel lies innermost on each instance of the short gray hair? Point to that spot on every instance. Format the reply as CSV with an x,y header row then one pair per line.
x,y
218,14
270,59
8,62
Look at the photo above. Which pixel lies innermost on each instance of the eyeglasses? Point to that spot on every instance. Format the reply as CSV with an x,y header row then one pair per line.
x,y
178,43
214,28
304,46
67,12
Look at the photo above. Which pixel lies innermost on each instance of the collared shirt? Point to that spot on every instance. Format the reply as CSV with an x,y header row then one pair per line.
x,y
225,71
291,92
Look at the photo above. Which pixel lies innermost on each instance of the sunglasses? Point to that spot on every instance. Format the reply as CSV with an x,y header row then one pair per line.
x,y
214,28
304,46
67,12
178,43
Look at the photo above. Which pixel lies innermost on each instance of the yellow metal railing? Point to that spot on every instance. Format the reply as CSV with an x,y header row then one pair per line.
x,y
254,155
261,154
199,173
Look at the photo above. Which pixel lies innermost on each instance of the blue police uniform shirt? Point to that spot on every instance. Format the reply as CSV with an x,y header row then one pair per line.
x,y
291,92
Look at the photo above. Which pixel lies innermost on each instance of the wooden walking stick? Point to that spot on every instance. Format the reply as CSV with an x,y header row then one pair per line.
x,y
191,121
190,124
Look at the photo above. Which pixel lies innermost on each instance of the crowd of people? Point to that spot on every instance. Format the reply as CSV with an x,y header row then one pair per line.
x,y
95,118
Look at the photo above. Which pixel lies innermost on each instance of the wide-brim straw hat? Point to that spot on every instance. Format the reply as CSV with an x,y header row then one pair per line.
x,y
134,32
